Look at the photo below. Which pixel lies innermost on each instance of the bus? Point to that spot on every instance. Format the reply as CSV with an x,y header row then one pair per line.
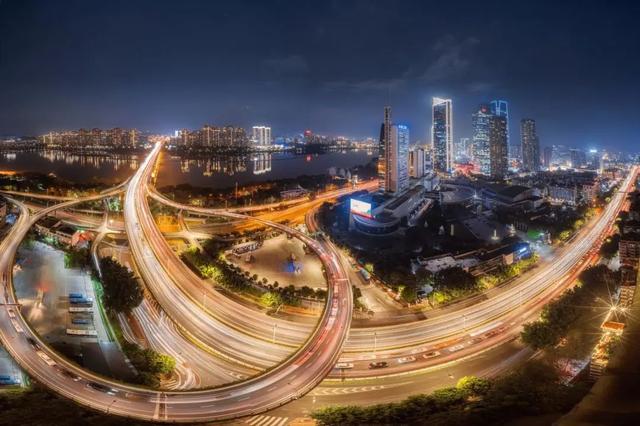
x,y
7,380
82,301
81,321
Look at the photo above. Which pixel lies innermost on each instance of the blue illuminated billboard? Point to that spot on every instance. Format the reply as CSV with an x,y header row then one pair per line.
x,y
361,208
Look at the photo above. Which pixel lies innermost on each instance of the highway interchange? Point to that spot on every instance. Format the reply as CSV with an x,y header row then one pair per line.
x,y
303,355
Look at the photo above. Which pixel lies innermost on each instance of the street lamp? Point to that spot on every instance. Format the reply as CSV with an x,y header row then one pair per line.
x,y
109,406
375,342
275,327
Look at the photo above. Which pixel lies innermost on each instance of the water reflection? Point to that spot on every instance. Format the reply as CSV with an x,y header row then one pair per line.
x,y
216,171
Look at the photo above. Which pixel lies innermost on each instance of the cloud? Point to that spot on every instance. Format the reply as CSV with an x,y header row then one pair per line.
x,y
480,86
286,65
453,58
369,85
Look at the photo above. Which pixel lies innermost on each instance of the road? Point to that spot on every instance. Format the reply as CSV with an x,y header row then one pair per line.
x,y
286,382
448,328
291,379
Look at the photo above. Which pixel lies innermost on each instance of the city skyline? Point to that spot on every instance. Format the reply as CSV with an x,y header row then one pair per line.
x,y
309,84
335,213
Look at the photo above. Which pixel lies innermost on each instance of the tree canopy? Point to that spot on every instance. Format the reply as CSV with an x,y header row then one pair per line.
x,y
122,291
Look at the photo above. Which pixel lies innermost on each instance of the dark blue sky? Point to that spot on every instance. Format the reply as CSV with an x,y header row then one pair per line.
x,y
328,65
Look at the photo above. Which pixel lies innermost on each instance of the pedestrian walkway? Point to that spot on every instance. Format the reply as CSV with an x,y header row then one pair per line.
x,y
267,421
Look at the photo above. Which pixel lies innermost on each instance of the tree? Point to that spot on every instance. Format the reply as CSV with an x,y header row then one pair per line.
x,y
271,299
610,247
306,292
357,293
76,258
122,291
564,235
473,386
369,267
455,278
408,292
539,335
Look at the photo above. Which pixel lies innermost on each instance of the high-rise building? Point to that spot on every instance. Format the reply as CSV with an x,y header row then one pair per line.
x,y
547,156
498,147
530,145
227,137
261,135
416,163
463,148
578,158
384,152
500,108
442,135
594,160
481,148
398,164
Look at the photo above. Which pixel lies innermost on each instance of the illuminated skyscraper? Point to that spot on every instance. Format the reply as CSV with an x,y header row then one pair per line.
x,y
530,145
416,163
481,149
547,155
399,159
261,135
501,109
442,135
384,153
498,147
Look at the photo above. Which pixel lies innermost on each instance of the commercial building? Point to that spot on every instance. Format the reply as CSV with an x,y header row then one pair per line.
x,y
442,135
393,166
481,151
563,194
463,148
530,145
629,248
498,147
399,159
501,196
500,108
477,262
261,136
381,215
384,152
416,163
547,155
578,158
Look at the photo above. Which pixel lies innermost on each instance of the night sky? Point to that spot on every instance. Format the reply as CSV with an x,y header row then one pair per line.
x,y
329,66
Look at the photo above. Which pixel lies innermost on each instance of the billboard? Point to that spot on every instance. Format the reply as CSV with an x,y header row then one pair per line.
x,y
361,208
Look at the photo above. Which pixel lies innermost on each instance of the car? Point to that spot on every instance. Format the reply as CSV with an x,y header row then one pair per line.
x,y
102,388
70,375
456,348
406,359
431,354
33,343
344,365
378,364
